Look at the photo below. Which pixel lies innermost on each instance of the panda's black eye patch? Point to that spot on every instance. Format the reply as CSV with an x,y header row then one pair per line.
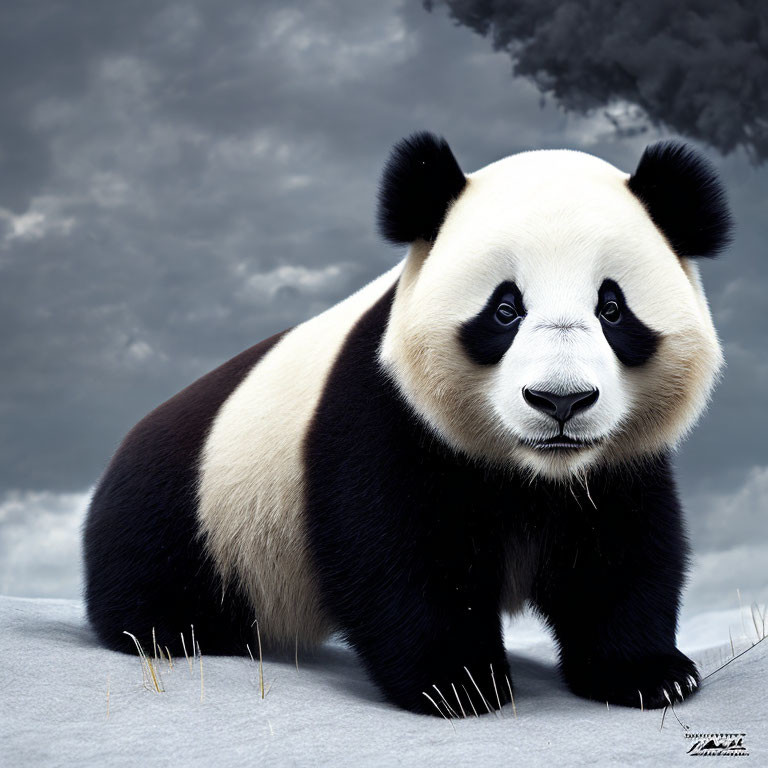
x,y
633,342
489,334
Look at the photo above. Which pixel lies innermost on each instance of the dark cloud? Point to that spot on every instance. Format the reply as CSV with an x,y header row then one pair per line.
x,y
180,157
697,67
48,49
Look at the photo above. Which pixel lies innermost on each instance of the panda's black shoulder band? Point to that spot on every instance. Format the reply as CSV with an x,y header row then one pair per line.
x,y
421,179
684,197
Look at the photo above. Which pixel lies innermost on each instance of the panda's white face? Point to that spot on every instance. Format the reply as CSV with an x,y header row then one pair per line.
x,y
550,326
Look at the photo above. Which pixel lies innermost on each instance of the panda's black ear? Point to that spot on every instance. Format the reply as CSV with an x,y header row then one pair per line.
x,y
421,179
684,197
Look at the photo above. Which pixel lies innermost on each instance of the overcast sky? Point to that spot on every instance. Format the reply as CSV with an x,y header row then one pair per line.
x,y
178,181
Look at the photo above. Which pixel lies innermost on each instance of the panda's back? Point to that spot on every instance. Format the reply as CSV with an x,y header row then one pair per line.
x,y
199,517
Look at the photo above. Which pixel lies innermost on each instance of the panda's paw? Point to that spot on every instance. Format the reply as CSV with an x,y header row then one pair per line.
x,y
650,682
473,692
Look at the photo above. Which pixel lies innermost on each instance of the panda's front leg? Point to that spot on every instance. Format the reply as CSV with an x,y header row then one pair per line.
x,y
416,592
609,586
431,648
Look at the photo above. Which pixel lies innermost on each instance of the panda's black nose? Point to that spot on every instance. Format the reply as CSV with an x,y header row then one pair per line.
x,y
560,407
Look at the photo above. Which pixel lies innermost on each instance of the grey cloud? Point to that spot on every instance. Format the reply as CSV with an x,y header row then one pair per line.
x,y
48,51
697,67
40,543
722,517
719,577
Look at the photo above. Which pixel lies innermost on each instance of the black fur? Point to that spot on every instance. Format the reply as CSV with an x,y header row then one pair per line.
x,y
144,564
484,339
421,179
683,195
409,543
610,587
633,342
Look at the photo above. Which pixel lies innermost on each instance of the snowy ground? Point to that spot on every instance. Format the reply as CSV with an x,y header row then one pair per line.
x,y
66,701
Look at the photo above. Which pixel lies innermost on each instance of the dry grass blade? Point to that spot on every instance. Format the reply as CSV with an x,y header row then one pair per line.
x,y
202,686
261,662
496,691
737,656
471,703
450,709
487,705
186,655
761,614
154,671
148,671
434,704
511,696
141,657
583,480
741,613
461,706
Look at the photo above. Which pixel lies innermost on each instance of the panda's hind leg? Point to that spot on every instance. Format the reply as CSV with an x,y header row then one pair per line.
x,y
154,582
145,563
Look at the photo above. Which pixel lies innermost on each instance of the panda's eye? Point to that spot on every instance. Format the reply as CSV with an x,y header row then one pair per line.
x,y
610,312
506,314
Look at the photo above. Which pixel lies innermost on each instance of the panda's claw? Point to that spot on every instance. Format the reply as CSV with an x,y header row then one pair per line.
x,y
650,682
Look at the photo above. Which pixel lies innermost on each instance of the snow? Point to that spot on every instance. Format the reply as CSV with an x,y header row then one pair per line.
x,y
54,710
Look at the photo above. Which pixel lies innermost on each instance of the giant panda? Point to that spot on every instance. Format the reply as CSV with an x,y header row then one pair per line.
x,y
487,425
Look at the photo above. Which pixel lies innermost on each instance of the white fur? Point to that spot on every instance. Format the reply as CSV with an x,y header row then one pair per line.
x,y
251,494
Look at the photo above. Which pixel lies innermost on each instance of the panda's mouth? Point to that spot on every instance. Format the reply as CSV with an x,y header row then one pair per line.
x,y
560,443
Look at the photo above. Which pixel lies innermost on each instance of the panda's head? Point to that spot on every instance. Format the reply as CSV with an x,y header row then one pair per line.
x,y
549,316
